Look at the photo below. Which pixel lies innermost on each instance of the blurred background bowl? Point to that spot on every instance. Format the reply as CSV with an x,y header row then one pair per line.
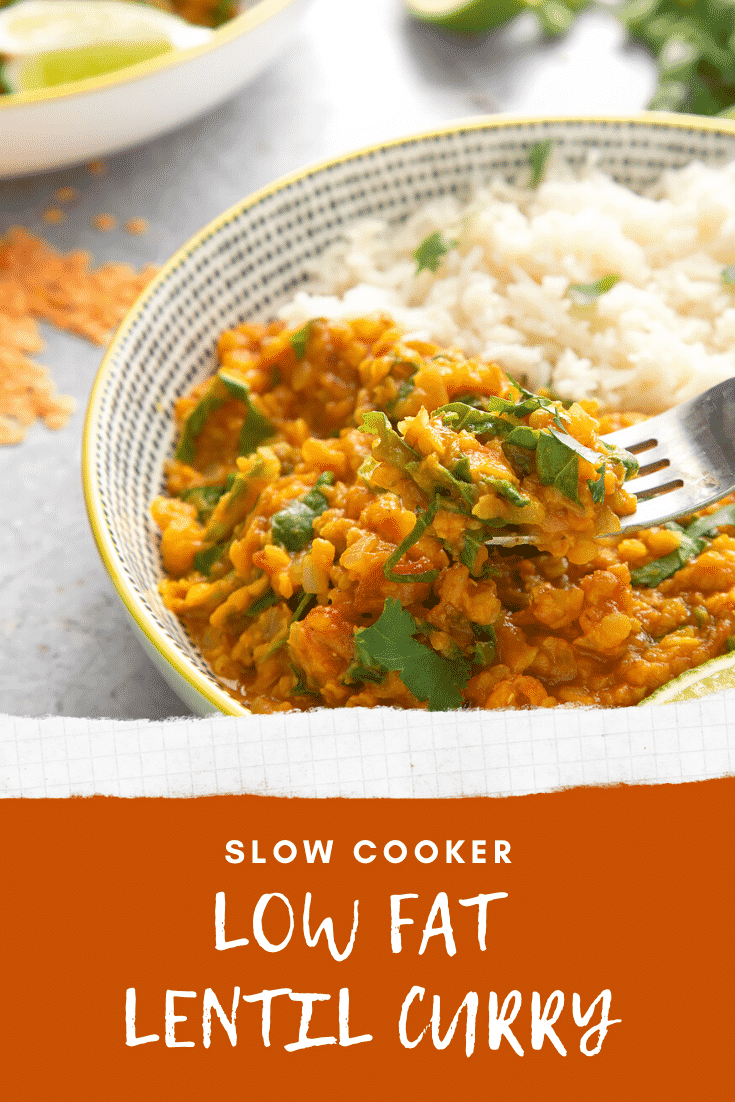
x,y
254,257
71,123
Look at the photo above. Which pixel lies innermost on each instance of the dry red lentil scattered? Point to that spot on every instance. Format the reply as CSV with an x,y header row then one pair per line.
x,y
104,222
53,215
136,226
66,195
37,282
97,168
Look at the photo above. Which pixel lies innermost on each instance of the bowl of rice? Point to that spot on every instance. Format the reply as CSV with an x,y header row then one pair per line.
x,y
310,429
68,123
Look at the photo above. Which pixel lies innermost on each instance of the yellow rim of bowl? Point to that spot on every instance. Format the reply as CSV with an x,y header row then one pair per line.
x,y
234,28
184,667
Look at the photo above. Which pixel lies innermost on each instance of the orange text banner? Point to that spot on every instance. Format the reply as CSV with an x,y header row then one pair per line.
x,y
574,945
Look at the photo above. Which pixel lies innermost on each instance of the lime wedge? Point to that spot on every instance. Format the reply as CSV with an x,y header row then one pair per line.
x,y
466,16
711,677
44,26
24,74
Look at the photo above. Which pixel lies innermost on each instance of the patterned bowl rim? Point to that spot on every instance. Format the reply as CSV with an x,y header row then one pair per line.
x,y
234,28
182,665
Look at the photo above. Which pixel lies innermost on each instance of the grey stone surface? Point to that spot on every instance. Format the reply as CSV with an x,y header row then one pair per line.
x,y
355,74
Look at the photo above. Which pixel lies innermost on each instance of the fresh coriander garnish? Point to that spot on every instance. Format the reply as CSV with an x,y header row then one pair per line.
x,y
431,250
300,339
390,644
728,275
423,520
292,527
255,428
693,542
585,294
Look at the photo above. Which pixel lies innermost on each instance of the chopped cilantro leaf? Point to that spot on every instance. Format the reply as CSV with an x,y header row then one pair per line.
x,y
269,598
520,459
472,542
391,448
557,465
431,250
584,294
423,520
538,155
186,449
204,560
390,644
597,486
292,527
300,339
204,499
728,275
255,428
693,542
301,688
507,490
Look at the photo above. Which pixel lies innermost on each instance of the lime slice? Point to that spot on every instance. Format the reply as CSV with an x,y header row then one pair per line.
x,y
44,26
466,16
24,74
711,677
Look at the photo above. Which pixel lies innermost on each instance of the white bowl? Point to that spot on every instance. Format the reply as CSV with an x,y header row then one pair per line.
x,y
93,118
250,260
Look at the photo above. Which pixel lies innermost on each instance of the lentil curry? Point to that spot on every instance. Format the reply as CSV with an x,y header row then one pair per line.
x,y
328,525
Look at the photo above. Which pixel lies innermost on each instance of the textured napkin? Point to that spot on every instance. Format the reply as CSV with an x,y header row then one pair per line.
x,y
379,752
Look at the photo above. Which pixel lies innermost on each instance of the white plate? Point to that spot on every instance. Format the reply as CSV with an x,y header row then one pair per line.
x,y
93,118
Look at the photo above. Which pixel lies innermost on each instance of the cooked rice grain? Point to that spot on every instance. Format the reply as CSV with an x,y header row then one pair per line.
x,y
665,332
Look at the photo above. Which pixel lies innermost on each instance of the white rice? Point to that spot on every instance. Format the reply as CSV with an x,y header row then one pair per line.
x,y
662,334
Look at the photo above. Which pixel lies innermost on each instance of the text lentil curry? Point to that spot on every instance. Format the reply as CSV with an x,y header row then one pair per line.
x,y
325,534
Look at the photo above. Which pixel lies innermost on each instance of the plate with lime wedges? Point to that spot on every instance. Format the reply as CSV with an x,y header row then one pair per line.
x,y
80,79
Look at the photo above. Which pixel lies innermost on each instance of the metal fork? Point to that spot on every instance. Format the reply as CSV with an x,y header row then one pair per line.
x,y
686,456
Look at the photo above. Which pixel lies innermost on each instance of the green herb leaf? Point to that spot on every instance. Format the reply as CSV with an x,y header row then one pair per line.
x,y
558,465
301,688
300,339
486,645
405,388
423,519
390,644
255,428
292,527
269,598
728,275
462,470
356,672
584,294
538,155
507,490
461,417
520,459
204,499
186,449
693,542
204,560
597,486
473,540
431,250
391,448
